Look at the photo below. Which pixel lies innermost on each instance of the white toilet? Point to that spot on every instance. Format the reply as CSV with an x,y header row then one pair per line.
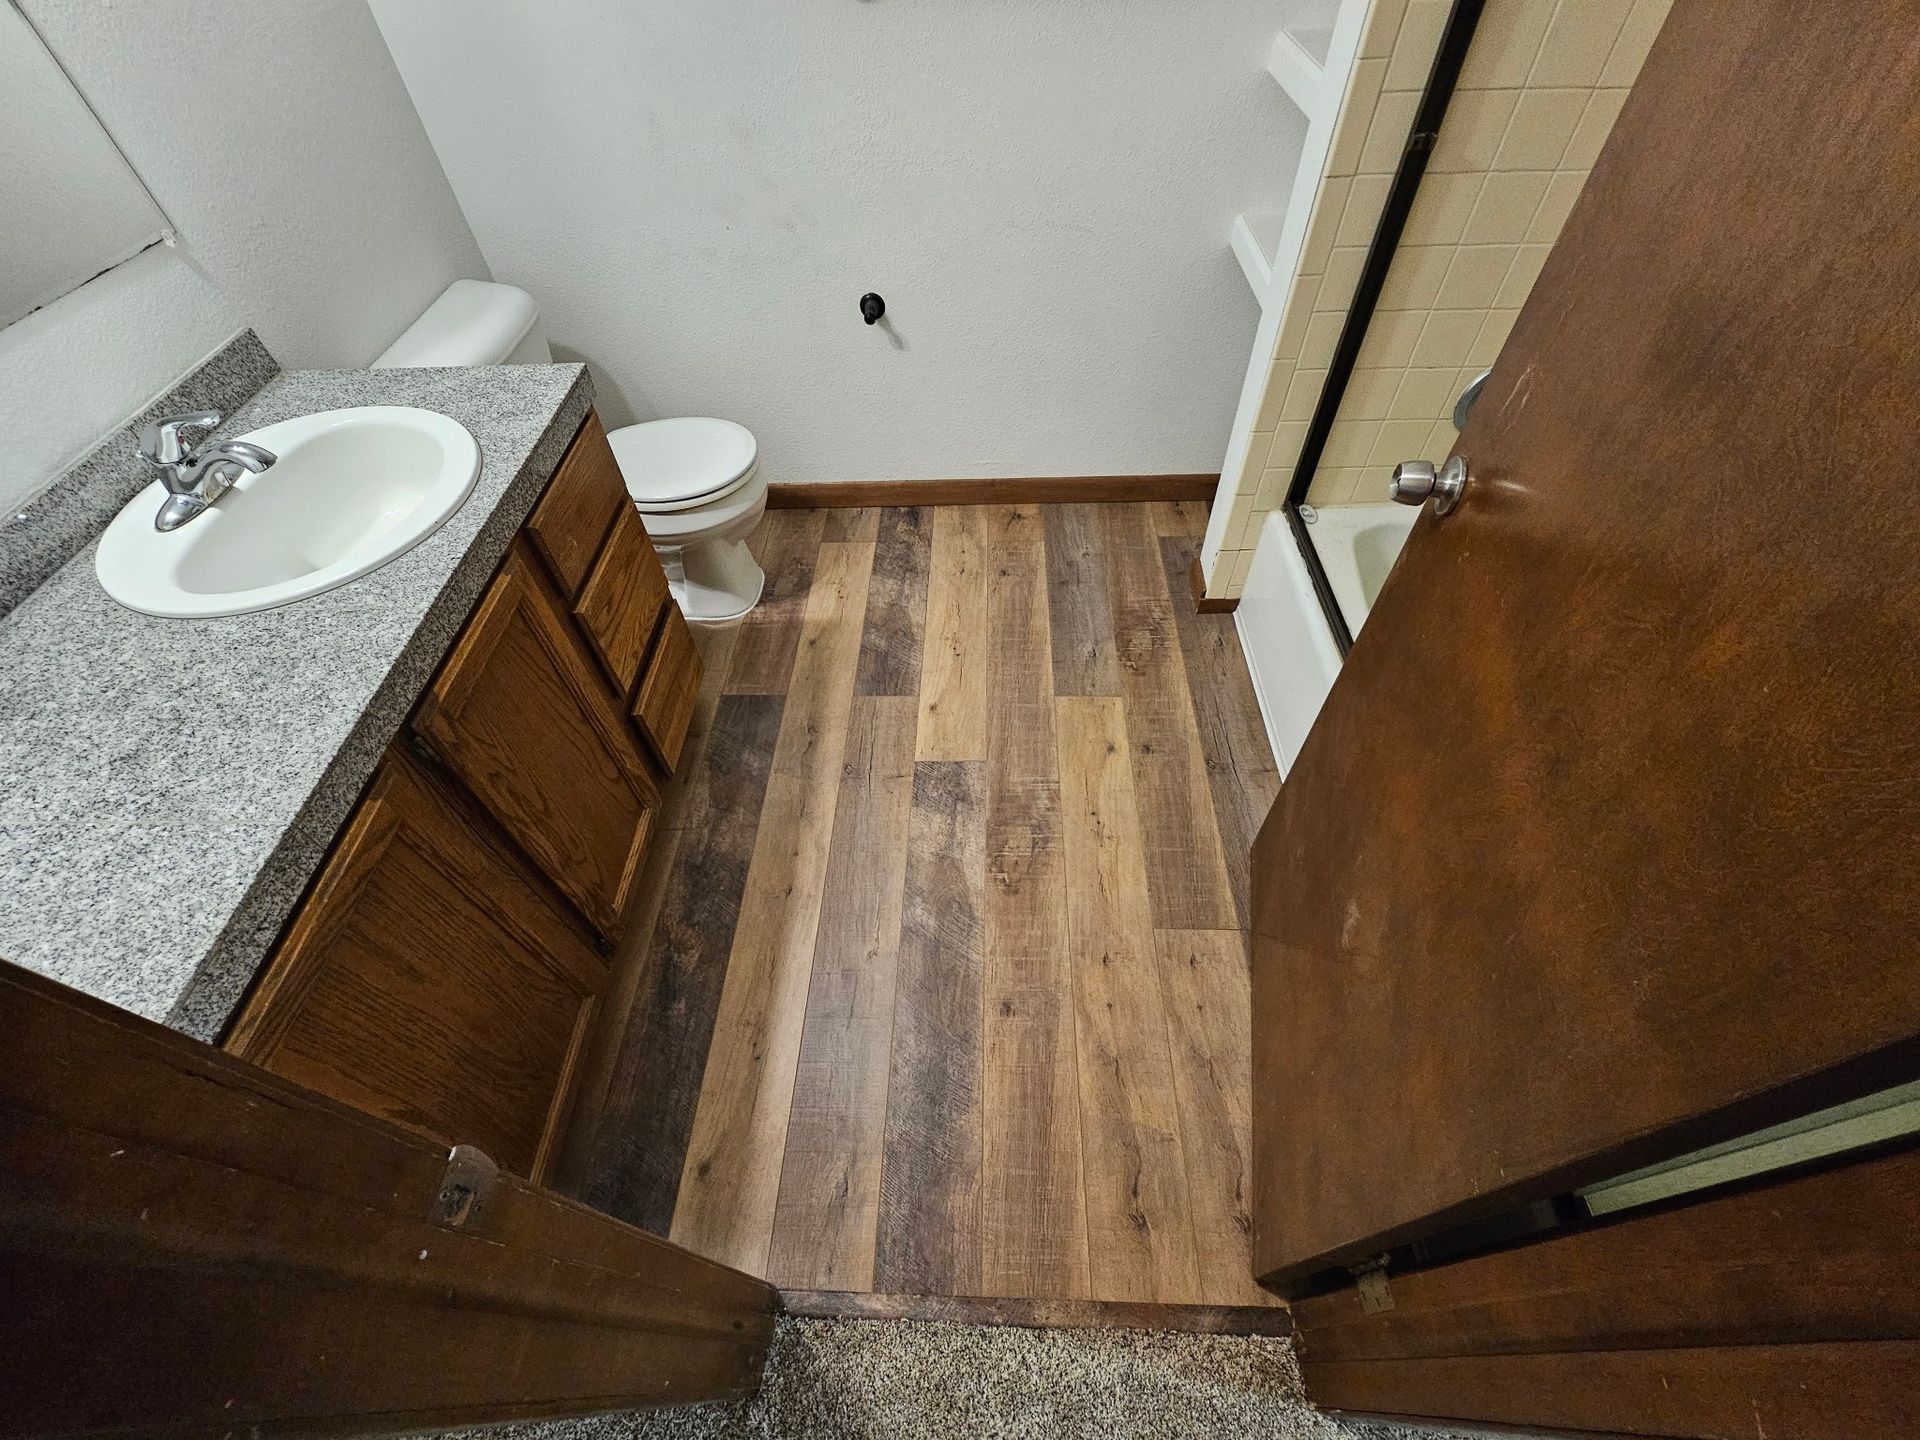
x,y
695,481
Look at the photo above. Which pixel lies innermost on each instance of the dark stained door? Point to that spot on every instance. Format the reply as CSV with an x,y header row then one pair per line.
x,y
1604,845
191,1246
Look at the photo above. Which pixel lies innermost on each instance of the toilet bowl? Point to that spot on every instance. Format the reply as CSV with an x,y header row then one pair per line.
x,y
697,484
695,481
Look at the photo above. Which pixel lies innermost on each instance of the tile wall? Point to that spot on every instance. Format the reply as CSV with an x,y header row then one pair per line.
x,y
1542,85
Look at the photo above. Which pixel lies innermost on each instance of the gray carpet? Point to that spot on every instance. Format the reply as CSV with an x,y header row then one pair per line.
x,y
915,1380
840,1379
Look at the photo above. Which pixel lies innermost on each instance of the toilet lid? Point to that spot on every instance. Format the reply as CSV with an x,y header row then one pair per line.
x,y
670,462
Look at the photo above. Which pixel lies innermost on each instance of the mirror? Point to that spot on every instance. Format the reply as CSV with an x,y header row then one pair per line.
x,y
70,205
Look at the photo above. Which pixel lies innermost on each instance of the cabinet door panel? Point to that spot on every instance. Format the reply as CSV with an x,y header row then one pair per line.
x,y
578,510
664,707
620,607
523,717
430,980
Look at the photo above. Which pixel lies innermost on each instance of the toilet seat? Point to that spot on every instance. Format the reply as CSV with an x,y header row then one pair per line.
x,y
684,463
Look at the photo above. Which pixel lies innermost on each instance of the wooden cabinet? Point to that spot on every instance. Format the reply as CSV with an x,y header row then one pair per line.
x,y
521,715
430,979
664,707
443,971
620,606
573,517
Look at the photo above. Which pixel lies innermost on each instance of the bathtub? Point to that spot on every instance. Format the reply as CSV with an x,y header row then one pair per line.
x,y
1290,650
1357,545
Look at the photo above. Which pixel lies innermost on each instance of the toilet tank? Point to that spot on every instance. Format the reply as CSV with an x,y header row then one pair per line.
x,y
474,322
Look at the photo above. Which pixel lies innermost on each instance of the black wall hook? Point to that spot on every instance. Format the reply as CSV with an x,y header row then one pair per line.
x,y
872,307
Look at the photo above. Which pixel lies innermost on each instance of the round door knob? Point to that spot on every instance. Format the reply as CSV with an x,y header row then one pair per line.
x,y
1414,480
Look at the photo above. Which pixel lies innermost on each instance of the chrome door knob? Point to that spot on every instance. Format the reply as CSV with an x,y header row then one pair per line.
x,y
1414,480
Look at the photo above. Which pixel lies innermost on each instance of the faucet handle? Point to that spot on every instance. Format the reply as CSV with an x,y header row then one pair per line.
x,y
160,442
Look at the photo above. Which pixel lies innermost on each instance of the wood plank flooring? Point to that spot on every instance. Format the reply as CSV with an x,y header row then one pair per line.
x,y
946,986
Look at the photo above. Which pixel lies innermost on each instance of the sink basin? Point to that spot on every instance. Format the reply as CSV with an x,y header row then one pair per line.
x,y
352,489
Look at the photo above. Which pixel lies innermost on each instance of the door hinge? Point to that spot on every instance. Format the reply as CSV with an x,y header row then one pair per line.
x,y
466,1185
1376,1294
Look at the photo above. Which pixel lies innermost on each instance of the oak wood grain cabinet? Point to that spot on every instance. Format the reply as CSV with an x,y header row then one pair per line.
x,y
445,969
430,979
522,716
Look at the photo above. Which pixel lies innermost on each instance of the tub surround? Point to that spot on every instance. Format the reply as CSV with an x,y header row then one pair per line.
x,y
169,787
41,535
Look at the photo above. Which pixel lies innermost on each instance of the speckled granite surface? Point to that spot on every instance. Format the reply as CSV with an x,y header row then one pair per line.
x,y
167,787
37,538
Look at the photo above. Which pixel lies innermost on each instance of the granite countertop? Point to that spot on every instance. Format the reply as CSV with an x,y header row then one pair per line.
x,y
168,787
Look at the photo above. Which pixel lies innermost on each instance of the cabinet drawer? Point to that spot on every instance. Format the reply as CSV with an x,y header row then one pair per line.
x,y
429,979
520,713
578,510
664,707
621,603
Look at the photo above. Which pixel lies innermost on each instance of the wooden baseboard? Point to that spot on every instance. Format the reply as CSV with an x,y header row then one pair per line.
x,y
1041,1314
1204,603
1037,490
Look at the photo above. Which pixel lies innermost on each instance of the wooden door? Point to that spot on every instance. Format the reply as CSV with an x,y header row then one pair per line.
x,y
431,979
190,1245
1603,845
521,713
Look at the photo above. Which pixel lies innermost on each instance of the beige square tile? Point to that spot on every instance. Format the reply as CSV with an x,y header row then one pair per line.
x,y
1425,394
1520,279
1440,439
1237,574
1322,335
1578,42
1415,277
1299,313
1470,136
1383,23
1507,206
1237,517
1505,43
1635,40
1288,437
1356,113
1448,337
1442,208
1350,442
1417,44
1391,336
1603,108
1274,397
1366,198
1493,334
1343,274
1543,122
1272,493
1556,205
1259,446
1369,394
1399,440
1330,487
1324,224
1387,135
1473,280
1303,395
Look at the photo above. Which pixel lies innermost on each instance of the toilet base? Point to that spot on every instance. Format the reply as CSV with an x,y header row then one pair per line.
x,y
713,581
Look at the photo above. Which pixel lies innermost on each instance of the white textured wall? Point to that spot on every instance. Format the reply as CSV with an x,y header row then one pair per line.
x,y
699,193
280,142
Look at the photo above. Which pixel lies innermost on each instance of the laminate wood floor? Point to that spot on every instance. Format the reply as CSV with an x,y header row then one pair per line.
x,y
946,982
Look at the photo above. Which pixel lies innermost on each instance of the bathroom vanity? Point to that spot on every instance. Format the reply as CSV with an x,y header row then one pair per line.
x,y
381,841
447,967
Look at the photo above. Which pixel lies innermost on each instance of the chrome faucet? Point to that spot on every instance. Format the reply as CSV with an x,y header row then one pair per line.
x,y
195,478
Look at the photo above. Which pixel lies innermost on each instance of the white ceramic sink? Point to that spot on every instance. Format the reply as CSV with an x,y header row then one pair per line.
x,y
351,490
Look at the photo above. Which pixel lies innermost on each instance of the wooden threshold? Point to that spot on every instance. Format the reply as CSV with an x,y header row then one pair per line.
x,y
1041,1313
1208,604
1034,490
